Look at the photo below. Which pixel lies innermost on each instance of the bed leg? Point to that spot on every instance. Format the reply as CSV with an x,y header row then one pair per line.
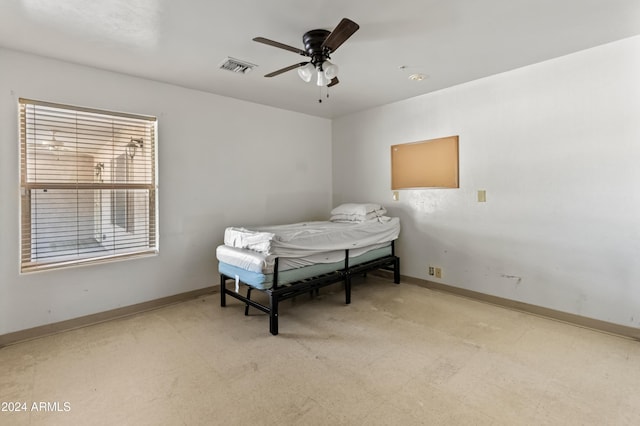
x,y
396,271
223,293
273,314
246,308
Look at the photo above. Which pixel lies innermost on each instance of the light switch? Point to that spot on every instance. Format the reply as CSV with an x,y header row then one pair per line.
x,y
396,195
482,196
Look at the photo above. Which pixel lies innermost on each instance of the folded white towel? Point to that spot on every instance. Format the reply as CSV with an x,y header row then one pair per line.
x,y
245,238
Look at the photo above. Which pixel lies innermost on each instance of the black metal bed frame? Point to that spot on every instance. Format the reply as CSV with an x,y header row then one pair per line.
x,y
278,293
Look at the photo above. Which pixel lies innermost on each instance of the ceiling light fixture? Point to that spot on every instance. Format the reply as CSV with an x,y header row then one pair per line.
x,y
417,77
330,70
322,78
325,72
306,72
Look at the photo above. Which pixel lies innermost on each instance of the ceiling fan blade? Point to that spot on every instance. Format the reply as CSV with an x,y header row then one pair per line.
x,y
285,69
280,45
333,82
340,34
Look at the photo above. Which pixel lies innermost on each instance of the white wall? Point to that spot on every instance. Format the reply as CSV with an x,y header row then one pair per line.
x,y
222,162
556,145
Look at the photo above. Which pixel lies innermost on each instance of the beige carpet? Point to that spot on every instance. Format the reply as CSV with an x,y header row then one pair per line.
x,y
398,355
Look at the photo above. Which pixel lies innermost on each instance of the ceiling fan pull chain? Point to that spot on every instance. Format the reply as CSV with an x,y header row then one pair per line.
x,y
320,96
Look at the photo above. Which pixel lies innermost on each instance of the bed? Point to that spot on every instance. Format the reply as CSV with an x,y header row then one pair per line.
x,y
284,261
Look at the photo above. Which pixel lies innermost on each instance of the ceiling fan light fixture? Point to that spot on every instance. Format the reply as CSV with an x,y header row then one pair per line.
x,y
306,72
330,70
322,79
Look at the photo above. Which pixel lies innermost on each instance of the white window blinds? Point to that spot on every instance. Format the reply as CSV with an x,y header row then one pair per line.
x,y
88,181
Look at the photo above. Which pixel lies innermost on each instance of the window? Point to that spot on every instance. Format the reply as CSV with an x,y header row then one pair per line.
x,y
88,185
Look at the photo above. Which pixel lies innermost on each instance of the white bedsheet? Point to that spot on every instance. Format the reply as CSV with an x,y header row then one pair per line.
x,y
305,239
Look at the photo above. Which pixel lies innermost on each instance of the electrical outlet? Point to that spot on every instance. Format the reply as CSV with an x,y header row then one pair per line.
x,y
431,270
438,272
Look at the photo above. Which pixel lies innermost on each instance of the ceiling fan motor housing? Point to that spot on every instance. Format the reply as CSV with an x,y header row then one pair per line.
x,y
313,41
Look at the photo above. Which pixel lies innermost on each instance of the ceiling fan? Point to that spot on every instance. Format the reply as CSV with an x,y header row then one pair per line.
x,y
318,46
53,144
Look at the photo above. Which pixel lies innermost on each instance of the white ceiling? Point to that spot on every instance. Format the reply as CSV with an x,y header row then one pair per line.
x,y
184,42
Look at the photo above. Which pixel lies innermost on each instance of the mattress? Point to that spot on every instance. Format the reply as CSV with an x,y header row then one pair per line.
x,y
264,280
263,263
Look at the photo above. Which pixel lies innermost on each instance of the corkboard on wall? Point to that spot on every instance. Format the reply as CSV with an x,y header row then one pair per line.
x,y
425,164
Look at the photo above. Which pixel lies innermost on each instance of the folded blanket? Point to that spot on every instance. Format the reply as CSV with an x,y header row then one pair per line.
x,y
246,238
354,212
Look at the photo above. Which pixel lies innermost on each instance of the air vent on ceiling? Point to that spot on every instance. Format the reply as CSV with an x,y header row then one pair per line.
x,y
237,66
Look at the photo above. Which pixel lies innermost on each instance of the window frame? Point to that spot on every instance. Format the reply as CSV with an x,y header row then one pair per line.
x,y
29,185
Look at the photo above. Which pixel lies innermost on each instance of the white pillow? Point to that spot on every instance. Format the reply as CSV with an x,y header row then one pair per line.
x,y
340,217
361,209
